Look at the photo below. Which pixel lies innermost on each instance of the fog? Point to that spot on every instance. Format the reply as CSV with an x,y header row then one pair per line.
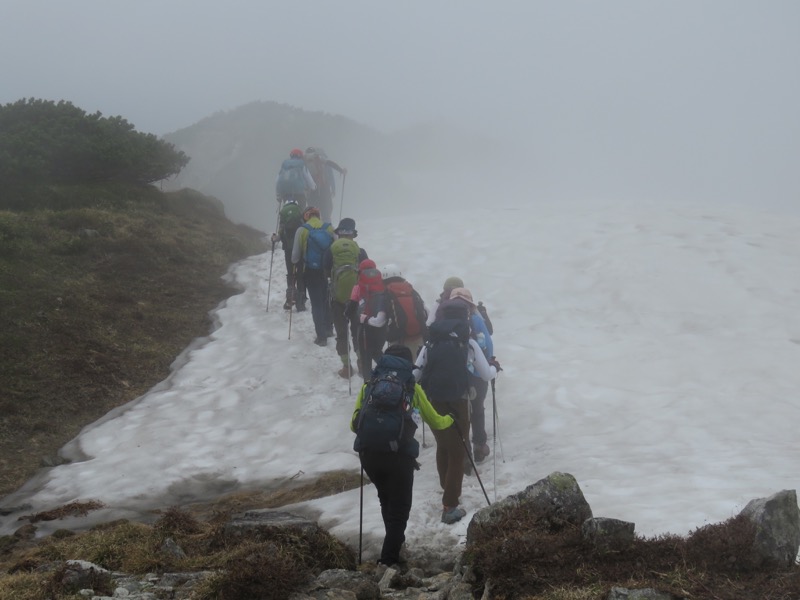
x,y
665,101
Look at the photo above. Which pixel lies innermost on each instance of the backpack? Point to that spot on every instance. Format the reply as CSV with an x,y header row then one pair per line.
x,y
321,172
445,376
292,178
385,420
319,240
344,274
486,319
290,219
406,311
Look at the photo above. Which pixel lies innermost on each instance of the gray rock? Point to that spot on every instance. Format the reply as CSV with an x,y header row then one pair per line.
x,y
557,498
255,520
777,521
619,593
608,534
360,584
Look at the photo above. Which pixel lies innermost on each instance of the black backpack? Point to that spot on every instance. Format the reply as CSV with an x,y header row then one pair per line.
x,y
445,376
385,419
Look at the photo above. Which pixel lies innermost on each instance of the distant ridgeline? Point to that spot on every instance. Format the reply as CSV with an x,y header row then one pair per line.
x,y
236,156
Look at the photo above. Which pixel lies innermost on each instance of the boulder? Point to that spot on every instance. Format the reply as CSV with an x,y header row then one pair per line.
x,y
777,521
557,499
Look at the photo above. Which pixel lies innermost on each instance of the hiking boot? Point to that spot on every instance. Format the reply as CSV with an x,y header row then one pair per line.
x,y
452,514
301,306
480,452
321,341
468,466
287,305
345,372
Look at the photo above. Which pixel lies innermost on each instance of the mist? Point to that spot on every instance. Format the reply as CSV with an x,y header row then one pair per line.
x,y
622,100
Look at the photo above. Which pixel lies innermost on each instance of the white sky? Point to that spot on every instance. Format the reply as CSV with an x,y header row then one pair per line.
x,y
665,99
651,352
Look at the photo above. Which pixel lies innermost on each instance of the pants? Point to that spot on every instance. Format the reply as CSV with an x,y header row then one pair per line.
x,y
450,451
317,288
340,324
478,418
370,347
393,477
413,344
295,287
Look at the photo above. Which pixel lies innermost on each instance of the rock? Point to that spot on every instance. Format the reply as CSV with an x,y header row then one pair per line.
x,y
618,593
557,498
777,521
608,534
360,584
254,520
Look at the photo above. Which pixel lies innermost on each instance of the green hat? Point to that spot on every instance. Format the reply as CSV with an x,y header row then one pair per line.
x,y
453,282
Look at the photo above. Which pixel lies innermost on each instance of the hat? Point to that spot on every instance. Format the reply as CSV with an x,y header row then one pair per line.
x,y
452,283
346,227
296,153
399,351
463,294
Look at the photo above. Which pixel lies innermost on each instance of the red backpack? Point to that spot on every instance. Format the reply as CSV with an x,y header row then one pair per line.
x,y
405,311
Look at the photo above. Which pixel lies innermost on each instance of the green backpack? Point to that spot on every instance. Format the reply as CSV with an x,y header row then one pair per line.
x,y
291,218
344,274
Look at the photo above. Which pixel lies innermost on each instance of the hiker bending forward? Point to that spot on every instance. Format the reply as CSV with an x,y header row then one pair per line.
x,y
392,472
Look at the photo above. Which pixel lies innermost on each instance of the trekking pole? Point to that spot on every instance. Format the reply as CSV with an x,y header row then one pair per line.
x,y
341,200
294,292
347,329
472,462
424,445
496,425
361,515
269,280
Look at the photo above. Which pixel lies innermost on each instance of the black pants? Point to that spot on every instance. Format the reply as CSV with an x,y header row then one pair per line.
x,y
317,288
370,347
393,477
340,325
295,288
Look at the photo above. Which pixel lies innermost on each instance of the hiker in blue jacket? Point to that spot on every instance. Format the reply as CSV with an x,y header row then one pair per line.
x,y
294,181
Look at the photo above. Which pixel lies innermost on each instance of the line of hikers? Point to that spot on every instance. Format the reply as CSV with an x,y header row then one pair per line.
x,y
436,369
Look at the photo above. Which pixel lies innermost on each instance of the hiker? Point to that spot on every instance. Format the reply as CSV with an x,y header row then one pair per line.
x,y
388,456
405,311
310,243
341,267
482,333
366,304
442,369
321,169
294,181
289,219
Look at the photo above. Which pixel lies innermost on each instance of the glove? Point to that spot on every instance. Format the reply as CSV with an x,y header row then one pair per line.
x,y
350,309
493,362
274,238
363,318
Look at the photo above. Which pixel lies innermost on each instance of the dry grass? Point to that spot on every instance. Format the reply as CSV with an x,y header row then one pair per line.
x,y
90,321
525,559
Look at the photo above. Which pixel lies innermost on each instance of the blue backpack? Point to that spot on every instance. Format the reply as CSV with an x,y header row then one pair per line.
x,y
291,179
319,240
385,422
